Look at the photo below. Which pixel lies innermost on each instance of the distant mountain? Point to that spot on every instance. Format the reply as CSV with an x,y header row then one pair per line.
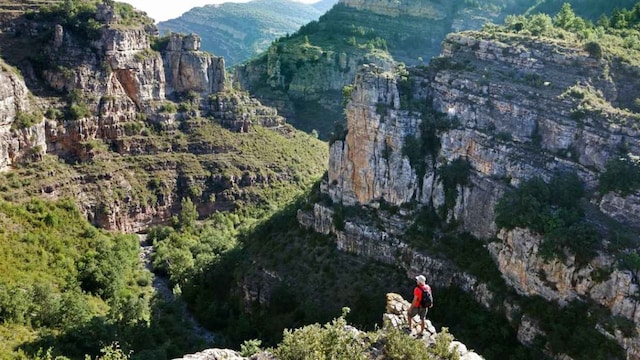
x,y
238,31
324,5
303,74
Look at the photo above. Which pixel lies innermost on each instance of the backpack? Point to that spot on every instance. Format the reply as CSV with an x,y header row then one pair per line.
x,y
427,298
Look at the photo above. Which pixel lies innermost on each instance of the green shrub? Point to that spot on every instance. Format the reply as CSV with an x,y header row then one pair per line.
x,y
54,114
399,346
79,111
453,175
552,210
594,49
185,107
418,148
571,329
441,348
168,107
160,43
25,120
188,214
540,207
314,342
621,175
250,347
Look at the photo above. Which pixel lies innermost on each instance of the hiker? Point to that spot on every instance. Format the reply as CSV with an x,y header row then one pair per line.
x,y
422,299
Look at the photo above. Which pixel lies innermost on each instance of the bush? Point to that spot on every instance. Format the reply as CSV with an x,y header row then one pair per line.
x,y
160,43
250,347
453,175
552,210
54,114
334,340
400,346
594,49
25,120
621,175
168,107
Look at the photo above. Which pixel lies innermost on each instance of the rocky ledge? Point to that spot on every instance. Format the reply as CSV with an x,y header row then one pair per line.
x,y
395,316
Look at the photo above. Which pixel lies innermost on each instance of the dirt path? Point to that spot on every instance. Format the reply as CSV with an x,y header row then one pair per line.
x,y
162,287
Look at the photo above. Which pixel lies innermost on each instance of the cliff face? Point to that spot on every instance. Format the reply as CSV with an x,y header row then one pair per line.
x,y
189,69
21,128
311,67
511,114
129,121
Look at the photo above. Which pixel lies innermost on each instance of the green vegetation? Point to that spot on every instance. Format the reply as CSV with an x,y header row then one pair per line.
x,y
160,43
306,262
77,107
487,332
252,174
621,175
551,209
331,341
25,120
571,329
334,340
453,175
79,17
62,277
76,16
614,37
425,146
240,31
168,107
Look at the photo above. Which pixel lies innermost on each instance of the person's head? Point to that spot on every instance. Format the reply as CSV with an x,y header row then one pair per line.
x,y
421,279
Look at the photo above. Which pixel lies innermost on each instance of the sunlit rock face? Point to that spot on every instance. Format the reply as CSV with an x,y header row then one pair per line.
x,y
511,105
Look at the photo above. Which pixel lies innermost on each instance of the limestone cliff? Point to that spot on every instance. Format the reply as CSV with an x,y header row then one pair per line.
x,y
309,68
22,127
511,108
97,95
189,69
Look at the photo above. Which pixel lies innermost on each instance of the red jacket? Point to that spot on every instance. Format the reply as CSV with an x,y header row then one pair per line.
x,y
417,294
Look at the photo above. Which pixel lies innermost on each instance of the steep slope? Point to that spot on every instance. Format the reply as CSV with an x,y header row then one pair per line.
x,y
294,80
110,101
324,5
491,170
239,31
104,130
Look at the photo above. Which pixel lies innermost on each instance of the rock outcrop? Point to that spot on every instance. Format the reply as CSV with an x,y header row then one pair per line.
x,y
395,316
189,69
510,111
22,126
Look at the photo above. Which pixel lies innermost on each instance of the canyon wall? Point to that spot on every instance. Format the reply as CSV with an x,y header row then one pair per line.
x,y
508,108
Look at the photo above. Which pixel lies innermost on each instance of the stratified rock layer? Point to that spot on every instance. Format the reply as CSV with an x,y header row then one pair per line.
x,y
512,117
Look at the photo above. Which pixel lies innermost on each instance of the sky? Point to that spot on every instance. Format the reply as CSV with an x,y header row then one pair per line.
x,y
160,11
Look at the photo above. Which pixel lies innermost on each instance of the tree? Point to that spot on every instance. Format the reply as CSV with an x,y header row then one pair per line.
x,y
565,17
188,214
540,24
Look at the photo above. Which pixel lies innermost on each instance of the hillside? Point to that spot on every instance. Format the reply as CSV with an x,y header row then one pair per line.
x,y
108,130
239,31
497,170
306,86
505,170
